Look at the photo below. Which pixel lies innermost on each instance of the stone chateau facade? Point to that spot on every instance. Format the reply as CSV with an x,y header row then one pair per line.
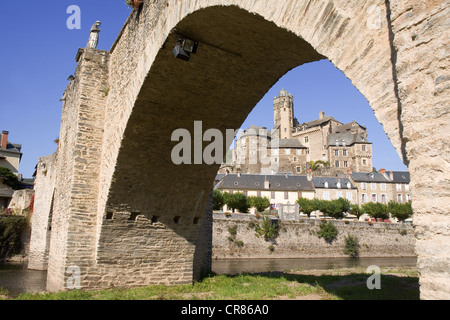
x,y
290,146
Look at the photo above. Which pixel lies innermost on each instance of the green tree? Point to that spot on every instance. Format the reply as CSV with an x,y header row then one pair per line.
x,y
376,210
218,200
259,203
335,208
307,206
9,178
355,209
401,211
352,246
237,201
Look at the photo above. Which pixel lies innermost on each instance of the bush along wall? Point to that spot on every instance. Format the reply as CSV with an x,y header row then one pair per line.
x,y
11,228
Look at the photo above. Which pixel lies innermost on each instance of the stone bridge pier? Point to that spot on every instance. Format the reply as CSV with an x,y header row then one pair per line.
x,y
122,213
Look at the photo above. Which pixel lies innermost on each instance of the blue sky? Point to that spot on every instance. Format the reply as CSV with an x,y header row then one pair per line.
x,y
38,54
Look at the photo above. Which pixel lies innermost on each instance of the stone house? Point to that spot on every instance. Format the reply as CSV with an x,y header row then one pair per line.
x,y
279,189
332,188
381,186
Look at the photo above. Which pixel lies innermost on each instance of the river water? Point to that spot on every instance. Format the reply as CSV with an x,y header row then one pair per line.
x,y
16,278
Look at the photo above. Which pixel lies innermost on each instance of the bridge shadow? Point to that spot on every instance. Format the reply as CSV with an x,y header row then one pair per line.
x,y
352,286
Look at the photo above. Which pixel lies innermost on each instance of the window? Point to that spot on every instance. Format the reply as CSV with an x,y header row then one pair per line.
x,y
299,170
307,151
374,197
285,129
364,147
345,164
337,164
406,187
258,193
306,139
295,159
383,186
245,192
286,195
363,198
339,195
364,162
344,153
399,187
373,186
336,152
383,198
326,196
408,197
399,198
363,186
349,196
272,194
287,151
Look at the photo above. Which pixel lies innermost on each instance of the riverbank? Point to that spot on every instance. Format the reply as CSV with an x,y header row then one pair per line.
x,y
337,284
235,238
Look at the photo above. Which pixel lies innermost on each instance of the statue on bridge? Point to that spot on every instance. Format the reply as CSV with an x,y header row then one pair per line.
x,y
93,37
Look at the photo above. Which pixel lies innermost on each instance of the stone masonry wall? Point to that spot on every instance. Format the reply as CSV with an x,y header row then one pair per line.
x,y
42,212
298,240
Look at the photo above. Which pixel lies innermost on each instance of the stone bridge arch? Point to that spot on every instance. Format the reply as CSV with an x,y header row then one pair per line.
x,y
126,215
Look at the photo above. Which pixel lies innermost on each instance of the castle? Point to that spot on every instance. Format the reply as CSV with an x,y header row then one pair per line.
x,y
325,145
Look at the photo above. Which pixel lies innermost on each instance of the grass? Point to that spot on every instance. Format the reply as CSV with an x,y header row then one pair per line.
x,y
340,284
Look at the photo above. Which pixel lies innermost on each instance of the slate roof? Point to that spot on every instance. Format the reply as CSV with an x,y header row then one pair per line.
x,y
319,182
256,182
287,144
338,139
13,148
317,122
348,127
368,177
400,176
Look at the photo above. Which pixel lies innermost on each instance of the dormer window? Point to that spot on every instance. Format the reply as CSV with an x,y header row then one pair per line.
x,y
338,184
325,184
349,185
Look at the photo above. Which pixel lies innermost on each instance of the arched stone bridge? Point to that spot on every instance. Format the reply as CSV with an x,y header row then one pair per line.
x,y
121,213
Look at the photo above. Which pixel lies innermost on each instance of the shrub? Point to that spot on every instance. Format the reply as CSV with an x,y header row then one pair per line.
x,y
268,230
10,234
328,231
9,178
352,246
218,200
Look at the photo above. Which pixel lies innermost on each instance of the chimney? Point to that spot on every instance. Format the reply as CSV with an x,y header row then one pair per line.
x,y
391,175
349,172
4,140
266,184
309,175
383,171
321,114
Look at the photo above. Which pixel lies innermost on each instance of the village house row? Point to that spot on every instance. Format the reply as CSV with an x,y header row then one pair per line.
x,y
323,159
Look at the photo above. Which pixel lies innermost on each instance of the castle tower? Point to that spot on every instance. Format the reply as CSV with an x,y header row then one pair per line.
x,y
283,108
